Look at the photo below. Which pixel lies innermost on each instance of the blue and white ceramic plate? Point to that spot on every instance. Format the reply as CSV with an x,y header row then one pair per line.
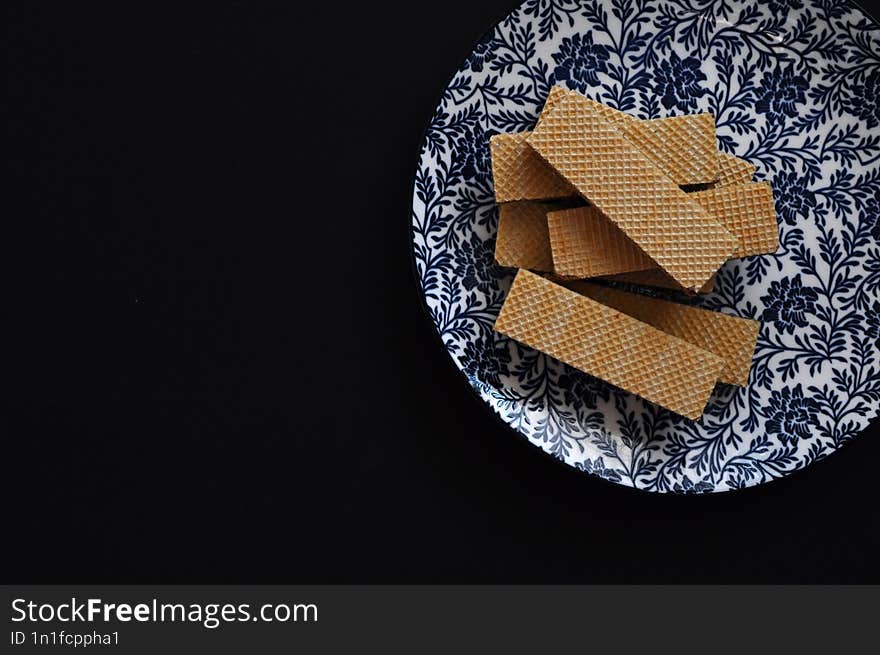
x,y
795,88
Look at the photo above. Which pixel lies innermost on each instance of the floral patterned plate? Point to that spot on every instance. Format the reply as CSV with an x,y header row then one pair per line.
x,y
795,88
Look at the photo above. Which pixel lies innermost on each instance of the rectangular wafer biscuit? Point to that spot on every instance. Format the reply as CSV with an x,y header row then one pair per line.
x,y
729,337
608,344
747,210
585,243
683,147
733,170
519,173
629,189
522,239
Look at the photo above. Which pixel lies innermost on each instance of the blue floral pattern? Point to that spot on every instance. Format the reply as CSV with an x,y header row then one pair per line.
x,y
789,304
793,197
789,415
864,101
579,61
680,82
783,91
793,85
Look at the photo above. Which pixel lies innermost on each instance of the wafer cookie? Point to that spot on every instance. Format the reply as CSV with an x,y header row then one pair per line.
x,y
608,344
729,337
747,210
630,190
683,147
733,170
519,173
522,239
585,243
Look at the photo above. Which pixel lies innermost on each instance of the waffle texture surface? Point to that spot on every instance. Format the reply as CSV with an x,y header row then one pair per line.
x,y
609,344
683,147
519,173
729,337
522,239
628,188
748,211
585,243
733,170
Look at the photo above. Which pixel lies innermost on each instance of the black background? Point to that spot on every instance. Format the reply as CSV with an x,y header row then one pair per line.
x,y
228,373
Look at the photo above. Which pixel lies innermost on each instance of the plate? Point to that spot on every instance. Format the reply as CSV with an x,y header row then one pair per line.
x,y
795,88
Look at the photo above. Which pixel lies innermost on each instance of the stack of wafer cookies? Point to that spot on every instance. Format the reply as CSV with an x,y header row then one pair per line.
x,y
593,193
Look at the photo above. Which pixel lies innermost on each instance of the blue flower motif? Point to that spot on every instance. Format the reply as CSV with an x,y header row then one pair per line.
x,y
472,151
781,93
864,100
790,415
579,389
789,303
487,361
483,53
780,7
793,197
475,264
578,62
679,82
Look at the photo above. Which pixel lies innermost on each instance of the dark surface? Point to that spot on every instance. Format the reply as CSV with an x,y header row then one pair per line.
x,y
229,377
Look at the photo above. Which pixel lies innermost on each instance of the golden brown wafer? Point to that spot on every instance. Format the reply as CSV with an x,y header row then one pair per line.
x,y
585,243
522,239
733,170
629,189
729,337
520,174
614,116
747,210
608,344
683,147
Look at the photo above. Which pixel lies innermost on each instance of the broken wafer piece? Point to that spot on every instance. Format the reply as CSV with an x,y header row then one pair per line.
x,y
585,243
628,188
748,211
608,344
733,170
522,239
519,173
729,337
